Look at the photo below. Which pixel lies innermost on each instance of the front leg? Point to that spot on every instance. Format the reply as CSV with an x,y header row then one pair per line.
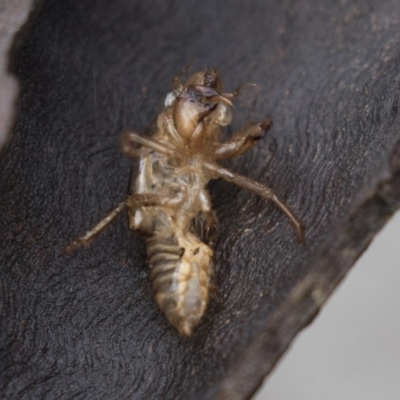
x,y
242,141
237,91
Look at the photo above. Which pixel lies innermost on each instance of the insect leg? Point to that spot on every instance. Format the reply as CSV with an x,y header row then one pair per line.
x,y
236,92
138,200
97,229
242,141
137,216
131,137
258,188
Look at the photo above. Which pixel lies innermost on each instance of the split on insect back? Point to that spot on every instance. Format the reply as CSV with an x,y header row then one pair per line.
x,y
168,202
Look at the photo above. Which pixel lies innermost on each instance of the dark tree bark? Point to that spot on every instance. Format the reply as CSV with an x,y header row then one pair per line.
x,y
86,325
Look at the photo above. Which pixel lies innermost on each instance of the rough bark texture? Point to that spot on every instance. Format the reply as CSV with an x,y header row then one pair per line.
x,y
86,325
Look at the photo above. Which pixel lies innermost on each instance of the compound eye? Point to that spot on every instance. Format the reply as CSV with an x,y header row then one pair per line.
x,y
170,98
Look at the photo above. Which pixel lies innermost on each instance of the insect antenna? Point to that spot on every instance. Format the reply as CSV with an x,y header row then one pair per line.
x,y
176,80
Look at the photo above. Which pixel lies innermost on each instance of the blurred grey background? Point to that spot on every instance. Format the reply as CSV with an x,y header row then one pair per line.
x,y
352,349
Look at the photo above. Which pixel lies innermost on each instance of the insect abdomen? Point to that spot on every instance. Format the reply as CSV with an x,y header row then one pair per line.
x,y
180,281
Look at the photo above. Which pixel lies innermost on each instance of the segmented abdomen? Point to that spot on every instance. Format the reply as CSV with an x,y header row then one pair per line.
x,y
181,273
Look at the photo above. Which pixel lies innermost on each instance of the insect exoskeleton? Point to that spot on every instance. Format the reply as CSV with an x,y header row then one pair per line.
x,y
168,201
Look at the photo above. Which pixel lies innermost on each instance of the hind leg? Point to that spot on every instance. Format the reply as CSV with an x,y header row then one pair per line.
x,y
88,236
258,188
